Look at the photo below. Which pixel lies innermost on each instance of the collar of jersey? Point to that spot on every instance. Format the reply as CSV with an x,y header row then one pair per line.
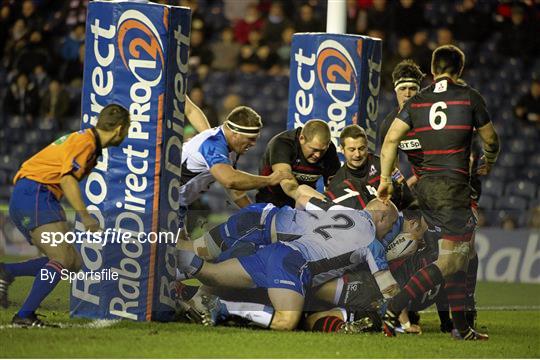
x,y
99,148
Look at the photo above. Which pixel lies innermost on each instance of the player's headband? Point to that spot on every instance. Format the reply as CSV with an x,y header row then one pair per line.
x,y
407,82
243,130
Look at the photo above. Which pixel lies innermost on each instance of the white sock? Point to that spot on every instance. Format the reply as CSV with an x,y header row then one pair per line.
x,y
339,289
259,314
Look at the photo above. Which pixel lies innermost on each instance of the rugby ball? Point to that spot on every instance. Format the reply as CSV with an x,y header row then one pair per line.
x,y
401,247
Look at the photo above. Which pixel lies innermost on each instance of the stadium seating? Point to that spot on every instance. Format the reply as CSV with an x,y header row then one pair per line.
x,y
525,189
511,202
492,187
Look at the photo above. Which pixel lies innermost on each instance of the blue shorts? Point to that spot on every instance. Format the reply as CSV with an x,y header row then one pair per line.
x,y
278,266
249,225
32,204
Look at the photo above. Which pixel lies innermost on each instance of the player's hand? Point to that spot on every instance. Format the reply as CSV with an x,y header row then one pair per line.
x,y
90,223
384,192
484,168
413,329
278,176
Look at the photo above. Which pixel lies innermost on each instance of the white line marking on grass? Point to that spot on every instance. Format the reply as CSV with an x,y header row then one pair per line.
x,y
94,324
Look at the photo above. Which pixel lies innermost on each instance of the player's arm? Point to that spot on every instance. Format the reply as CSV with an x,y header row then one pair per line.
x,y
397,131
490,140
306,194
289,186
387,284
72,192
240,198
232,178
195,116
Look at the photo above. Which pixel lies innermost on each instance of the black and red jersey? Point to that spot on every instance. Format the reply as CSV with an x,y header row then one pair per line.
x,y
285,148
356,187
409,143
443,117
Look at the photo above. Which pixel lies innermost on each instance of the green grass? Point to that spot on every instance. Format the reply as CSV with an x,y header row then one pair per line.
x,y
513,334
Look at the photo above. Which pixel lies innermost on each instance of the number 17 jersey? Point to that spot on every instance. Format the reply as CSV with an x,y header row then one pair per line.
x,y
443,117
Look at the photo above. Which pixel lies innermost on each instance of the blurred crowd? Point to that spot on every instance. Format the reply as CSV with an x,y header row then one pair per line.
x,y
42,47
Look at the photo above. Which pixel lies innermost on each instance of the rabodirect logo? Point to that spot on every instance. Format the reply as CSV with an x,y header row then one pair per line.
x,y
140,47
336,72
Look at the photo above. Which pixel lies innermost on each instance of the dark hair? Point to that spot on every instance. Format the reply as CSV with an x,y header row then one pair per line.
x,y
407,69
412,212
111,116
245,116
352,131
447,59
315,128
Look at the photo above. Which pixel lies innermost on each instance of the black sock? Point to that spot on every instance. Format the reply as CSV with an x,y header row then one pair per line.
x,y
328,324
472,272
455,288
426,278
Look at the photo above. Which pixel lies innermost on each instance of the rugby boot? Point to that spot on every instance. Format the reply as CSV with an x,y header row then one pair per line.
x,y
5,281
356,326
471,335
31,321
390,323
205,309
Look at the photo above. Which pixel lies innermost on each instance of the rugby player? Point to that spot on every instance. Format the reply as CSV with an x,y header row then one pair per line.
x,y
307,153
212,155
407,78
443,117
365,168
337,239
35,207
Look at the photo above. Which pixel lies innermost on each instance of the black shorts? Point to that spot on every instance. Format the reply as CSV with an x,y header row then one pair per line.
x,y
360,291
445,203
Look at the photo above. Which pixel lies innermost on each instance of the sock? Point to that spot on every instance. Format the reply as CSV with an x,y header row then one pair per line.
x,y
472,272
188,264
44,283
26,268
259,314
424,279
455,288
328,324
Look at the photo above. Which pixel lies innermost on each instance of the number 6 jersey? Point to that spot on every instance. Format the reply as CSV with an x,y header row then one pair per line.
x,y
443,117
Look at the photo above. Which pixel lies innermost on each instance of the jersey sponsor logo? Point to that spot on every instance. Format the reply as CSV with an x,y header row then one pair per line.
x,y
441,86
411,144
285,282
372,170
306,177
140,47
60,140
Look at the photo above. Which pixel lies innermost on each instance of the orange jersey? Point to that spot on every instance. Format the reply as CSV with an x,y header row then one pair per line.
x,y
74,154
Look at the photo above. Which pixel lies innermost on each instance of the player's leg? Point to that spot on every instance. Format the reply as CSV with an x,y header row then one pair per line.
x,y
288,305
60,257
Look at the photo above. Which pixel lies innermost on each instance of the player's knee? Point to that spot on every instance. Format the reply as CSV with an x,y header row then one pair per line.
x,y
69,258
450,264
284,321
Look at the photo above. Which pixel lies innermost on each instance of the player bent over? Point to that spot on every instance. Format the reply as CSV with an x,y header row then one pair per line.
x,y
35,206
443,116
341,239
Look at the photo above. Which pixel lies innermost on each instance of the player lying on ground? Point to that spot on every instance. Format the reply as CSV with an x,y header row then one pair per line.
x,y
35,206
340,239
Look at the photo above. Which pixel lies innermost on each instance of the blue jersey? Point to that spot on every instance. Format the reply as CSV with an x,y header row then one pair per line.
x,y
198,156
339,239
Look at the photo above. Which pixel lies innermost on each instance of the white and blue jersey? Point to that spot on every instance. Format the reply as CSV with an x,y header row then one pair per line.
x,y
341,239
332,241
199,155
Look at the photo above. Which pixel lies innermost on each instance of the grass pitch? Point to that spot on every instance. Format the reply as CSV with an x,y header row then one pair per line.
x,y
513,333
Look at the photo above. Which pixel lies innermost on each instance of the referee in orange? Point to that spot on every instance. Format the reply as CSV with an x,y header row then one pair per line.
x,y
35,206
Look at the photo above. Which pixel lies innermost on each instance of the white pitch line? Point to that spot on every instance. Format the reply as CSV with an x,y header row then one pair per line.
x,y
95,324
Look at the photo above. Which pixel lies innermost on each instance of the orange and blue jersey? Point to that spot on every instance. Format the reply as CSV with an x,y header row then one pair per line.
x,y
35,198
75,154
